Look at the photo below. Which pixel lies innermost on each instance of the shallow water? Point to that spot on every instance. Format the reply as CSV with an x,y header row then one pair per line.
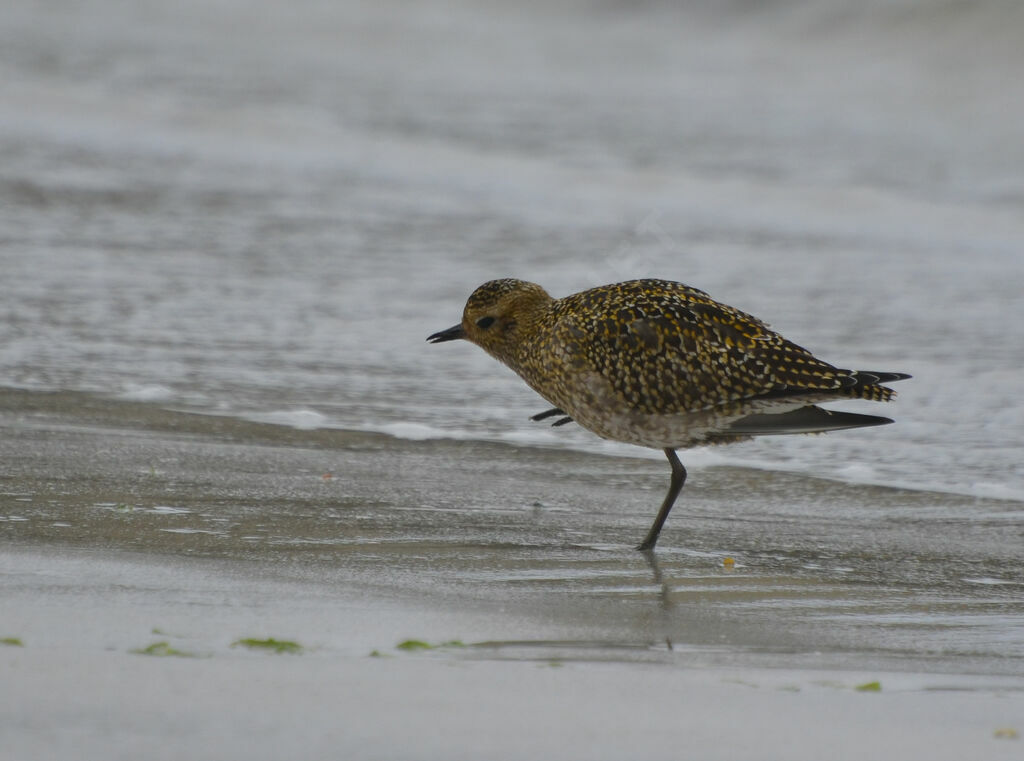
x,y
258,214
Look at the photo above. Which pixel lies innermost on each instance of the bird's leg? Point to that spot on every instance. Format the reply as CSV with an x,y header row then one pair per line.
x,y
674,487
547,414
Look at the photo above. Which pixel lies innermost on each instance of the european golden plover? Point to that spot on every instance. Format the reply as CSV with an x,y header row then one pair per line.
x,y
661,365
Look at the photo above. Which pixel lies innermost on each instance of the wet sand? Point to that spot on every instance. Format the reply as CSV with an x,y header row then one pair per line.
x,y
125,525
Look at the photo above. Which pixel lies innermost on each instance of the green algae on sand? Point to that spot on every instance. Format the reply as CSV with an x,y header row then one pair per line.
x,y
271,644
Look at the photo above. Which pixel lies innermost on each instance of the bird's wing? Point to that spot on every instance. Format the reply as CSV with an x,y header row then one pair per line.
x,y
666,348
809,419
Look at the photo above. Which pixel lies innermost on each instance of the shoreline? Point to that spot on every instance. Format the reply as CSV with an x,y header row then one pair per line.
x,y
857,574
132,533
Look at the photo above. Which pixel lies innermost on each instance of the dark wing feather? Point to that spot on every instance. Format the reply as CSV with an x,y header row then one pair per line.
x,y
665,347
808,419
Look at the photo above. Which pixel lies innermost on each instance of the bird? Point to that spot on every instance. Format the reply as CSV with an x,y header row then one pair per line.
x,y
661,365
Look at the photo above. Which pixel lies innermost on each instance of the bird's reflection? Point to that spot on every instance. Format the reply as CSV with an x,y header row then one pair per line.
x,y
664,596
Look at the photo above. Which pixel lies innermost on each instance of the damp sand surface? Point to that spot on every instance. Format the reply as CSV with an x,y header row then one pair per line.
x,y
451,599
231,469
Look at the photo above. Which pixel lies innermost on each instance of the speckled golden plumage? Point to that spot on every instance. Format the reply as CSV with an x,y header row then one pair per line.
x,y
660,364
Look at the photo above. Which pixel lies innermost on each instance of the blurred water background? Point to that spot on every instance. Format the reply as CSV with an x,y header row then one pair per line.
x,y
261,209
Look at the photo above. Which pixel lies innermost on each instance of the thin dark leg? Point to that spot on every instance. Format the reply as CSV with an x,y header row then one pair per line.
x,y
549,413
674,487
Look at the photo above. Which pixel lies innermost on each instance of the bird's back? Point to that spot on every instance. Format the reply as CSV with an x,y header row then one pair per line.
x,y
662,354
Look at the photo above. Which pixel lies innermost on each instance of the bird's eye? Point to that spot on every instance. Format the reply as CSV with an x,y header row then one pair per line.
x,y
485,322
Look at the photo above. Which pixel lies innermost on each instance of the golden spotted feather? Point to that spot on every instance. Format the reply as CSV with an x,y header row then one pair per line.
x,y
668,348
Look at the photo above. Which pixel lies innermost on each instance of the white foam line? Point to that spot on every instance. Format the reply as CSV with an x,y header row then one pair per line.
x,y
697,458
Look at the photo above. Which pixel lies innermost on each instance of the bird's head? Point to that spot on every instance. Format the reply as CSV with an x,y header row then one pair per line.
x,y
497,315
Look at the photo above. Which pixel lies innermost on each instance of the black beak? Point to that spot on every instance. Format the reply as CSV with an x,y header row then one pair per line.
x,y
455,331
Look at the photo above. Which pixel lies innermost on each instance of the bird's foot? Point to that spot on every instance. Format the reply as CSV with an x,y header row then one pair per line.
x,y
549,413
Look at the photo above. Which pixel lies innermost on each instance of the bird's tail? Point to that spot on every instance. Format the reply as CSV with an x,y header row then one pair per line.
x,y
867,384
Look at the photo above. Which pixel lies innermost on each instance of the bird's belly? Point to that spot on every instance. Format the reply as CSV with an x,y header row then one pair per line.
x,y
658,431
596,407
594,404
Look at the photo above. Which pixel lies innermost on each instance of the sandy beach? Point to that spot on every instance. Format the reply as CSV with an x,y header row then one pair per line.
x,y
76,690
128,528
